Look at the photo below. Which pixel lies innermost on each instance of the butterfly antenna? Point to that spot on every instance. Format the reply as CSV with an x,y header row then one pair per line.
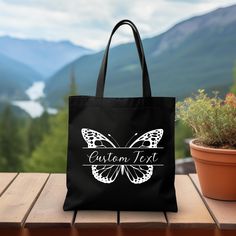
x,y
131,139
114,140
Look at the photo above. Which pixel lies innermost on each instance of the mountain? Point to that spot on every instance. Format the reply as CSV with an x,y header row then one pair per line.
x,y
46,57
15,78
196,53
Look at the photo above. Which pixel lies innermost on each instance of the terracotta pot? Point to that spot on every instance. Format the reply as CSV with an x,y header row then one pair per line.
x,y
216,169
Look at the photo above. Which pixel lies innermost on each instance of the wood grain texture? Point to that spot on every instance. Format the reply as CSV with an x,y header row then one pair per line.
x,y
131,219
192,212
48,209
17,200
98,219
5,180
223,212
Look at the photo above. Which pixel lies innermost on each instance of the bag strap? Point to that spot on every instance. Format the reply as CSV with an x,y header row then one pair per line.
x,y
103,68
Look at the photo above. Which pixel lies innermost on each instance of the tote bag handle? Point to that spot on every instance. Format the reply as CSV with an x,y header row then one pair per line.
x,y
103,68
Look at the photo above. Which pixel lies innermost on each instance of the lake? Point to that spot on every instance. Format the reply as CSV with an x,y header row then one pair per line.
x,y
32,106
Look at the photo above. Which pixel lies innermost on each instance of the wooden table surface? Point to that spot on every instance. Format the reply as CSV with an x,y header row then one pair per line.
x,y
31,204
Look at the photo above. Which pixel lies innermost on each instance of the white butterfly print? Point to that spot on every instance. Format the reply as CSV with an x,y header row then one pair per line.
x,y
137,174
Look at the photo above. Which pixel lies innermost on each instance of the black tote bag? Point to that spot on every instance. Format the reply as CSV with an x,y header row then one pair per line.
x,y
121,150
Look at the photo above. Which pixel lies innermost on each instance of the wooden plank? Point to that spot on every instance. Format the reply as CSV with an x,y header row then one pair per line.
x,y
132,219
5,180
17,200
192,212
48,211
95,219
223,212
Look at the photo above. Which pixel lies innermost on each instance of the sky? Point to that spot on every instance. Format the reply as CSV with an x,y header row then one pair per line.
x,y
89,22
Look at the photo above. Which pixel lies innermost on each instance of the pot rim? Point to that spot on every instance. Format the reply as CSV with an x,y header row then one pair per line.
x,y
211,149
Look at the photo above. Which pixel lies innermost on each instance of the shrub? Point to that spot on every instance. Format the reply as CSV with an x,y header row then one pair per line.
x,y
212,119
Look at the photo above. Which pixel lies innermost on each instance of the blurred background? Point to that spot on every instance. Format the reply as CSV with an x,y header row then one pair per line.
x,y
52,49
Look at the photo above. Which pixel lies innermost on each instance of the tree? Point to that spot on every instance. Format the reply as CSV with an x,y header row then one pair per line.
x,y
72,81
11,142
72,85
36,129
50,155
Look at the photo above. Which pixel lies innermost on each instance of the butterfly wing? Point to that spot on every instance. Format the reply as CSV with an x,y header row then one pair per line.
x,y
141,173
103,173
149,139
95,139
138,174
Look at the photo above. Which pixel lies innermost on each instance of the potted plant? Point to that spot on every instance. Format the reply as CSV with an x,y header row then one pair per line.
x,y
213,121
